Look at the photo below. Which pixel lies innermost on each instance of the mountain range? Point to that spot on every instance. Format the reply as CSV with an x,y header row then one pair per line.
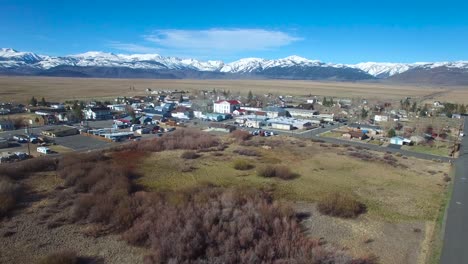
x,y
109,65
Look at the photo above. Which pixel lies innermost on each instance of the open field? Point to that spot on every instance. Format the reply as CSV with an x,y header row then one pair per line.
x,y
20,89
399,201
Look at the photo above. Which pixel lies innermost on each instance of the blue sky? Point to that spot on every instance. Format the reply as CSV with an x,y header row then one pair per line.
x,y
332,31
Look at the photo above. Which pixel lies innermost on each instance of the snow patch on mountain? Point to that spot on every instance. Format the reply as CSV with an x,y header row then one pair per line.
x,y
10,58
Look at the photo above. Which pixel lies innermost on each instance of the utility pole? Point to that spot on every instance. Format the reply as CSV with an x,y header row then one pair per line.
x,y
29,139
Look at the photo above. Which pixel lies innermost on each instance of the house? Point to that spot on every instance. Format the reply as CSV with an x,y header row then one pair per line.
x,y
118,107
60,131
381,118
356,134
400,141
226,106
97,113
6,124
182,112
238,112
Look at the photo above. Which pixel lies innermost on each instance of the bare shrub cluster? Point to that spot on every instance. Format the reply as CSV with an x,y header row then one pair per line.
x,y
247,152
341,205
213,225
241,135
190,139
11,189
388,158
10,192
63,257
17,170
189,155
103,186
242,164
279,171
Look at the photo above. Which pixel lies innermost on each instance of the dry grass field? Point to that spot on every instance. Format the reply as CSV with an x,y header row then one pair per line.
x,y
20,89
405,198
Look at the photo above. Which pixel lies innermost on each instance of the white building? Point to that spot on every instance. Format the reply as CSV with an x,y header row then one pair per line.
x,y
97,113
381,118
226,106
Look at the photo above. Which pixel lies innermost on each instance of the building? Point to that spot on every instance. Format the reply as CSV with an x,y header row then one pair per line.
x,y
285,123
381,118
356,134
304,113
400,141
6,124
60,131
272,111
226,106
97,113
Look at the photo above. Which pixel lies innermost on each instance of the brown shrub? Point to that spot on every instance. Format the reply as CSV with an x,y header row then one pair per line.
x,y
241,135
208,224
341,205
190,155
190,139
246,152
9,195
21,169
64,257
278,171
242,164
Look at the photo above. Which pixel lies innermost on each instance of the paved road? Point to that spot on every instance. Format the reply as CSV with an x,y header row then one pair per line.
x,y
315,134
455,249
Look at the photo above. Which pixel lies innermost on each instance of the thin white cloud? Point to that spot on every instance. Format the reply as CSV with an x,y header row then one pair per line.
x,y
220,40
130,47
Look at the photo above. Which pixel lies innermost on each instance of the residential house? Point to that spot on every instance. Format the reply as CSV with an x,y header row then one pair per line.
x,y
400,141
226,106
356,134
381,118
97,113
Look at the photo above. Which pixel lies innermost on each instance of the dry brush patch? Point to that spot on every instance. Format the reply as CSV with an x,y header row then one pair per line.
x,y
341,205
278,171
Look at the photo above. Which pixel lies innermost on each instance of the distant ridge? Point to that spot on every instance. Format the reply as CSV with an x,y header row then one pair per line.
x,y
110,65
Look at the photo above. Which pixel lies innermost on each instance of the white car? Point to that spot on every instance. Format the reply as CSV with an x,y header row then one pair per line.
x,y
462,134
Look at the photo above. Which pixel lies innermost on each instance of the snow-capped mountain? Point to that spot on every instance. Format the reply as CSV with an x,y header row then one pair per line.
x,y
387,69
101,64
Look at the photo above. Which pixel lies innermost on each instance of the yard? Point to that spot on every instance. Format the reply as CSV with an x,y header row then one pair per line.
x,y
438,148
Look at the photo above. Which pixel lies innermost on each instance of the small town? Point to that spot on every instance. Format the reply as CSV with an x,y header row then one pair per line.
x,y
39,127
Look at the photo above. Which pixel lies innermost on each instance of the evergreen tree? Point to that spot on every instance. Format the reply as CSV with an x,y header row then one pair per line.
x,y
181,99
364,113
414,107
33,101
77,110
43,102
391,132
250,96
462,109
324,102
